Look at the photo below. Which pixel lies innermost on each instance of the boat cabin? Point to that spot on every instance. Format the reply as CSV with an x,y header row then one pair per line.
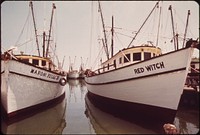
x,y
129,56
42,62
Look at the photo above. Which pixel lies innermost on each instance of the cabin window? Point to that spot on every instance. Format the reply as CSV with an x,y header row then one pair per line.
x,y
127,58
35,62
147,55
154,54
114,63
43,63
120,60
136,56
25,60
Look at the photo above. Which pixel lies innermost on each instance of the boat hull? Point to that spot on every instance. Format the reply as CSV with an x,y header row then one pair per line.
x,y
26,86
154,91
73,75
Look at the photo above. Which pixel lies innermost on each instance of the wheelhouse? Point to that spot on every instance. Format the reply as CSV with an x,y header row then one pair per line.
x,y
42,62
131,55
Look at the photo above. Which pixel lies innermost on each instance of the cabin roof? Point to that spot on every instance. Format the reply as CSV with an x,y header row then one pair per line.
x,y
135,47
32,56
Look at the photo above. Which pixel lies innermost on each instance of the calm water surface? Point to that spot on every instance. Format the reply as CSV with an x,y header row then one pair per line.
x,y
77,115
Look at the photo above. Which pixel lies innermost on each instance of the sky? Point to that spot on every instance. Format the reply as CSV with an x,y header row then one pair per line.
x,y
77,26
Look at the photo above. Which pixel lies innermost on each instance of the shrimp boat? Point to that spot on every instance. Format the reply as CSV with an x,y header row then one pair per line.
x,y
72,73
81,70
140,80
29,82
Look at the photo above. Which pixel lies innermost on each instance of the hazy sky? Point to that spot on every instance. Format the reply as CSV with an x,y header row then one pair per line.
x,y
77,26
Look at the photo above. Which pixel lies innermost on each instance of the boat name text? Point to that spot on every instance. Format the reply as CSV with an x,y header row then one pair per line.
x,y
44,74
148,68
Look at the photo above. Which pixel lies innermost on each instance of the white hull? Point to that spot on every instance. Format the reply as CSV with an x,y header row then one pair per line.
x,y
24,86
160,87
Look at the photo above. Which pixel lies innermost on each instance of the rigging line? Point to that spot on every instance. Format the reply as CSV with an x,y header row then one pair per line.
x,y
96,62
23,28
19,45
143,24
91,30
166,25
121,50
119,40
123,34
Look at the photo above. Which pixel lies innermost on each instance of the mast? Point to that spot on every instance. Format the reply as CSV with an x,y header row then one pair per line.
x,y
112,30
63,61
174,38
69,64
104,43
31,5
143,24
158,28
186,27
44,35
47,50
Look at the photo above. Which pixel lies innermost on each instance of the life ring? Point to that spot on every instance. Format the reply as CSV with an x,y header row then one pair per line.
x,y
63,81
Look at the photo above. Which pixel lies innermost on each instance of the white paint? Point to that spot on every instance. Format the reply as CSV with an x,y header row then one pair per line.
x,y
19,92
162,90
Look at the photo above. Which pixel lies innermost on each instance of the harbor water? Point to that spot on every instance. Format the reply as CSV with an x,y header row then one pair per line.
x,y
76,114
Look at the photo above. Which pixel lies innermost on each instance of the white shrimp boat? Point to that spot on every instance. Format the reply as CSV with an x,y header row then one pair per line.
x,y
81,73
142,81
29,82
72,73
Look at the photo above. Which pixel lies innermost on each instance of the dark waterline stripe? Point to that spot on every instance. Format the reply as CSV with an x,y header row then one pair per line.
x,y
134,78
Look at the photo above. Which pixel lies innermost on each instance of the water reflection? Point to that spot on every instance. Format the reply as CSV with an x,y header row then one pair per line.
x,y
77,122
186,121
50,121
76,114
76,87
106,123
